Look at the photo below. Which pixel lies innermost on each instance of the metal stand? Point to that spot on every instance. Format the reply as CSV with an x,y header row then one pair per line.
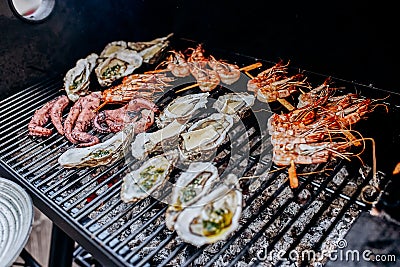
x,y
28,259
61,249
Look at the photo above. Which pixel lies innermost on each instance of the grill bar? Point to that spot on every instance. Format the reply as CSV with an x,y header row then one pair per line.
x,y
313,221
340,215
281,209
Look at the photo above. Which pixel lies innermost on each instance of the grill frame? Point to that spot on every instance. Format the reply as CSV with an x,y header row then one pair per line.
x,y
70,224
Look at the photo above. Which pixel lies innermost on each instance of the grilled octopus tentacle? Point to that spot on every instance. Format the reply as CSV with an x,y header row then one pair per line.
x,y
56,112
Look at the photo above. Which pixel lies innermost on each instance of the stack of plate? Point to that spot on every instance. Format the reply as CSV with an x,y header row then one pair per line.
x,y
16,217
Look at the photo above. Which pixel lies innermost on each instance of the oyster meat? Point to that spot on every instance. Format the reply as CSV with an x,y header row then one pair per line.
x,y
192,184
104,153
204,136
148,142
213,217
182,108
76,80
142,182
117,65
234,103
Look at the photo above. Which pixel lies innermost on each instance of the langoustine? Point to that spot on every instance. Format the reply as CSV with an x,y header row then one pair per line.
x,y
274,84
207,79
317,131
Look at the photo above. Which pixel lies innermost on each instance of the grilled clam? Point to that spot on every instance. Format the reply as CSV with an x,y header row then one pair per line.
x,y
117,65
150,176
234,103
148,142
104,153
182,108
213,217
76,80
203,137
192,184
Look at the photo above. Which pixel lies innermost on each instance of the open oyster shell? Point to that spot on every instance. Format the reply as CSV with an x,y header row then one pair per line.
x,y
182,108
103,153
112,48
76,80
148,142
234,103
213,217
150,176
117,65
191,185
203,137
150,50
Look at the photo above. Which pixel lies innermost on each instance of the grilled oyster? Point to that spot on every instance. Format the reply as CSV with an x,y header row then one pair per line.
x,y
104,153
142,182
182,108
117,65
204,136
234,103
192,184
112,48
213,217
76,80
148,142
151,50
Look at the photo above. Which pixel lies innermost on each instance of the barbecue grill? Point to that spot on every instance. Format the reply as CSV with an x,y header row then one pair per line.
x,y
85,203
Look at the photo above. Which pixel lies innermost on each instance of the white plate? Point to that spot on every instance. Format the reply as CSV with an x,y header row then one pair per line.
x,y
16,217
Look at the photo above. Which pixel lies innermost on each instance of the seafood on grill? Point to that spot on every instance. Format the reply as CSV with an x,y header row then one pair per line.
x,y
80,118
204,136
177,64
117,65
228,73
213,217
112,48
207,79
39,119
77,79
281,88
272,74
138,110
182,108
191,185
148,50
151,175
136,85
51,110
151,50
308,153
56,113
234,103
315,94
273,83
166,137
104,153
318,131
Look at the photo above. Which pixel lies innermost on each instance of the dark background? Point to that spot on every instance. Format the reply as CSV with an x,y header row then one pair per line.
x,y
352,40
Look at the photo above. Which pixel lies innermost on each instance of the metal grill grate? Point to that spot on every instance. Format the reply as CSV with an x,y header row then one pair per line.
x,y
85,203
